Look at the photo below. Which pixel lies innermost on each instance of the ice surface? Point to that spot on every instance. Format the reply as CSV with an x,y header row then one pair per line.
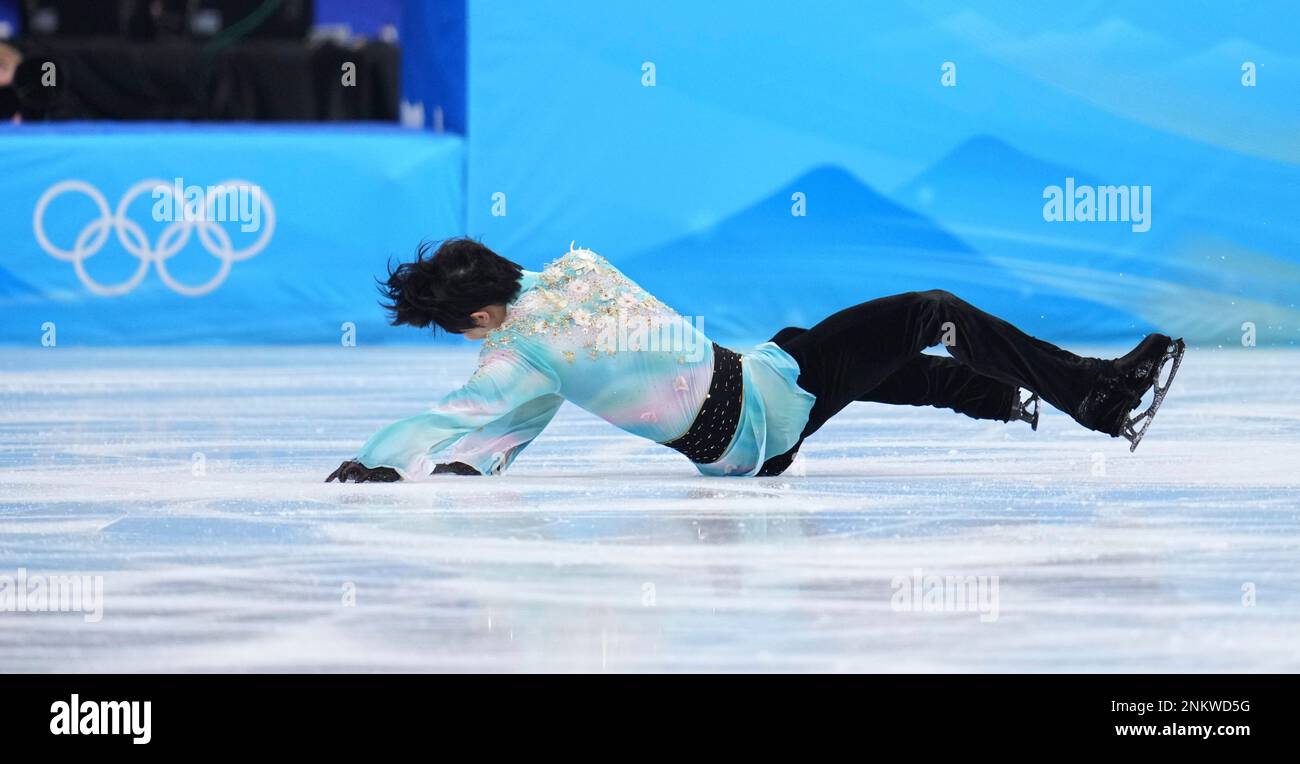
x,y
598,551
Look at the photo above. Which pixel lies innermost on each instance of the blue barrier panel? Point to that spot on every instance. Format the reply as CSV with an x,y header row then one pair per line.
x,y
95,244
766,163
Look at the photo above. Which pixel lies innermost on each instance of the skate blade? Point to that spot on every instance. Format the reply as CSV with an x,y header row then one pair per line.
x,y
1130,432
1024,413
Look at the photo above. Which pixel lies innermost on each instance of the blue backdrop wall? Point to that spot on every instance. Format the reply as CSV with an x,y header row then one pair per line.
x,y
82,250
758,164
679,138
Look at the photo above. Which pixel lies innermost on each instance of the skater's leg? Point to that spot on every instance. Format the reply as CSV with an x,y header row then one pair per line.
x,y
946,383
855,350
930,380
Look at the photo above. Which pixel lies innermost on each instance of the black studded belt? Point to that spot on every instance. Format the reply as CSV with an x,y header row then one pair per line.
x,y
714,427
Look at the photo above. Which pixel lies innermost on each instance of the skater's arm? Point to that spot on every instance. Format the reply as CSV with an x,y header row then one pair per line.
x,y
491,449
503,383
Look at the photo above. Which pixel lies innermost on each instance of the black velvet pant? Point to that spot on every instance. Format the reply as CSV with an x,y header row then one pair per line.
x,y
872,352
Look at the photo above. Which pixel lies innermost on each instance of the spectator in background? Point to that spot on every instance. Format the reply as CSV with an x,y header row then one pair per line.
x,y
10,58
30,90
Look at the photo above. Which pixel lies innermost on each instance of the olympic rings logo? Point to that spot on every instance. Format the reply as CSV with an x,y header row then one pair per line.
x,y
215,239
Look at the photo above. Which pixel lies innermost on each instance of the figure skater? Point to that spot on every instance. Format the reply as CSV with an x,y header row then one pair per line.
x,y
581,331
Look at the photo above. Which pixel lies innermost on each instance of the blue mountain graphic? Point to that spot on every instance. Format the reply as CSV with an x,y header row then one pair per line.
x,y
1201,270
764,268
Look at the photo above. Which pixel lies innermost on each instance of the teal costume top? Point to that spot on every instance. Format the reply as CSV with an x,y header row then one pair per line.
x,y
581,331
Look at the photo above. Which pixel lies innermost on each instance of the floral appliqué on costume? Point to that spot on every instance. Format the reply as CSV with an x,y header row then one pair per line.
x,y
580,303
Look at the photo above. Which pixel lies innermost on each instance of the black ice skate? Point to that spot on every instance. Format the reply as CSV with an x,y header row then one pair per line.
x,y
1109,408
1026,410
1136,426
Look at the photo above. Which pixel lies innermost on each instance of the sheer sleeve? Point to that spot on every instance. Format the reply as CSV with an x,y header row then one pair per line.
x,y
505,382
492,448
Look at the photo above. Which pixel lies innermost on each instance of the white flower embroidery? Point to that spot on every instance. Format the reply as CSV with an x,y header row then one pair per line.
x,y
586,303
584,260
528,301
679,384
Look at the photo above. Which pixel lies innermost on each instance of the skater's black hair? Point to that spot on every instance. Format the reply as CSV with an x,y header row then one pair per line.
x,y
443,288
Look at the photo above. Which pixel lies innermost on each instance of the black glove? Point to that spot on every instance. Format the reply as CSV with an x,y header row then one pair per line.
x,y
455,468
360,473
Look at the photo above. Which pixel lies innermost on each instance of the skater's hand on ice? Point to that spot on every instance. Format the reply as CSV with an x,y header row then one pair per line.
x,y
455,468
360,473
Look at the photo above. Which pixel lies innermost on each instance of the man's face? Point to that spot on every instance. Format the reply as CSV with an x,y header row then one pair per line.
x,y
10,58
